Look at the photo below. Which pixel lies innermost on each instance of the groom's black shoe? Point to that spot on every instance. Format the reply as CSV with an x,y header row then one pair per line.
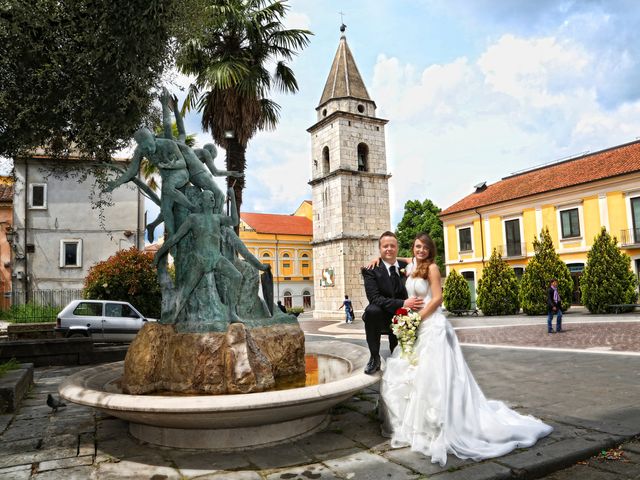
x,y
373,366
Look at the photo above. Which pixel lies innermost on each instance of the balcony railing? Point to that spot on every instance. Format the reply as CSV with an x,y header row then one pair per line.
x,y
513,250
630,236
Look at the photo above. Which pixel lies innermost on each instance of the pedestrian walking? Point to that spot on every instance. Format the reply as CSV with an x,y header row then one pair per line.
x,y
554,306
348,309
281,307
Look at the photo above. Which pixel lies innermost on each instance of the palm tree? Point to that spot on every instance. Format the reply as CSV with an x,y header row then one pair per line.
x,y
230,59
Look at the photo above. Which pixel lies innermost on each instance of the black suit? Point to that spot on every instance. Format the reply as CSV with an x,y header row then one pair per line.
x,y
383,303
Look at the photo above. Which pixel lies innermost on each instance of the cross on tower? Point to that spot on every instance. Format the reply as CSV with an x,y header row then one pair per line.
x,y
343,27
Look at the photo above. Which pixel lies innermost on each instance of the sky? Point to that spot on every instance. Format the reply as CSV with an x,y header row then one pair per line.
x,y
474,90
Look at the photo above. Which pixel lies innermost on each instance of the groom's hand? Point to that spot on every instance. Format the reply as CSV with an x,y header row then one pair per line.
x,y
413,303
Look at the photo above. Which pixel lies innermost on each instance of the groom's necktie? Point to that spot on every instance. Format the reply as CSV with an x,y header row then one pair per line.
x,y
395,280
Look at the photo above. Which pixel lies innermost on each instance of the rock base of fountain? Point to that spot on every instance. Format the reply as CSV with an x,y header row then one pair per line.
x,y
240,360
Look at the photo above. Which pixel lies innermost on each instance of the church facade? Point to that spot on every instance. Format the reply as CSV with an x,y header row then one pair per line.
x,y
349,184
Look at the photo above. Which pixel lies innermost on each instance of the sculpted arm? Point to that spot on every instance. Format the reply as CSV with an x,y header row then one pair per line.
x,y
175,238
182,134
244,251
234,219
130,173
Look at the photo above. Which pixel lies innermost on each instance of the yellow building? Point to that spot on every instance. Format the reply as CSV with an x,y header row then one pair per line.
x,y
573,199
284,242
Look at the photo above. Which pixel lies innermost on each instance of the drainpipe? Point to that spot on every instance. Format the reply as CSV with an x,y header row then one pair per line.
x,y
25,280
481,235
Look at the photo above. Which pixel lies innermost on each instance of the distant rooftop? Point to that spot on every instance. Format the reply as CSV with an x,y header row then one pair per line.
x,y
280,224
611,162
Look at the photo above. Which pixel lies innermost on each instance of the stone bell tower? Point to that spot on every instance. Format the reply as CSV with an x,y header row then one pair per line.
x,y
350,186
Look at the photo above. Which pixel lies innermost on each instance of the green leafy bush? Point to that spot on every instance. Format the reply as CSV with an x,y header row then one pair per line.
x,y
30,312
498,288
541,269
456,292
607,278
128,276
295,310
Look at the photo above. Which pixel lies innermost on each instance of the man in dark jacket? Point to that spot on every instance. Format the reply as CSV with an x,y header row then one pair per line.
x,y
554,306
384,287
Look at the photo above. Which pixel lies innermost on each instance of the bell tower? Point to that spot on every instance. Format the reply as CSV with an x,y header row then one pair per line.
x,y
350,186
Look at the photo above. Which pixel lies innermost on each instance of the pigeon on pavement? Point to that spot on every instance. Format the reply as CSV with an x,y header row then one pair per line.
x,y
54,403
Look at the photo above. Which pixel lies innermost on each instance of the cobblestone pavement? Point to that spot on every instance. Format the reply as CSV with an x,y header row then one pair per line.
x,y
591,400
623,336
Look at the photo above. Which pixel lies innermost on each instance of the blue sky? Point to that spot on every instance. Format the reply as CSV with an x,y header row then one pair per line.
x,y
473,90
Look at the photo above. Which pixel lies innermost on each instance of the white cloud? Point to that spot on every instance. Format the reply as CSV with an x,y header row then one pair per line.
x,y
525,101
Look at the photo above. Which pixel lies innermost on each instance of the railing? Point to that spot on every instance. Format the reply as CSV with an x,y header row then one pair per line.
x,y
630,236
512,250
37,305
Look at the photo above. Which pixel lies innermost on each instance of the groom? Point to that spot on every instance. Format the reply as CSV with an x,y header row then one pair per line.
x,y
384,286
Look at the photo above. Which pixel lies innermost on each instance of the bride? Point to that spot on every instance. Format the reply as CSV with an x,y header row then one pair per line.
x,y
436,406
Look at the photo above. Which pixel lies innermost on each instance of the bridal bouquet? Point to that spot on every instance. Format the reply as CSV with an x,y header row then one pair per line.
x,y
405,327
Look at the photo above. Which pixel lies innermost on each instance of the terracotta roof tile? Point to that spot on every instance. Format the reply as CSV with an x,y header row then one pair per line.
x,y
281,224
607,163
6,193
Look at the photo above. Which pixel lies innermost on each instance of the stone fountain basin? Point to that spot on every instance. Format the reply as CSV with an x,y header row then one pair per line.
x,y
227,422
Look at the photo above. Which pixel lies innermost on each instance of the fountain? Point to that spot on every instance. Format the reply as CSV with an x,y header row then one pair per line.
x,y
206,375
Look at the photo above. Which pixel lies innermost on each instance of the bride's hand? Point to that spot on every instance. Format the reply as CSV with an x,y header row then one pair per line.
x,y
373,263
414,303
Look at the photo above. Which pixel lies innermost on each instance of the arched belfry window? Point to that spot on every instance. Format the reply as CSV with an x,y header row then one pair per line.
x,y
325,160
363,158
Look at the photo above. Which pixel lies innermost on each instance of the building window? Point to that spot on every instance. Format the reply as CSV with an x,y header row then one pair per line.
x,y
288,299
38,195
570,223
519,271
512,236
305,265
70,253
266,258
464,238
286,264
363,157
635,219
326,165
306,299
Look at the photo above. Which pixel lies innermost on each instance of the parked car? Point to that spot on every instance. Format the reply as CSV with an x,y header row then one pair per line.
x,y
102,320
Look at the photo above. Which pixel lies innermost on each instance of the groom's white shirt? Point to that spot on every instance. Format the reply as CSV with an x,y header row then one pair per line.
x,y
389,265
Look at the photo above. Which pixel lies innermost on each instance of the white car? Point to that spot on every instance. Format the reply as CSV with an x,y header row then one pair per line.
x,y
102,320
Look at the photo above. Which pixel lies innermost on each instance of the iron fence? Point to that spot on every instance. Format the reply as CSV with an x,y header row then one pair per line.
x,y
32,306
511,250
630,236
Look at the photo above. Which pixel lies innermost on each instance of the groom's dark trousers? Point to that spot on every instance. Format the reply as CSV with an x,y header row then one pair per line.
x,y
384,300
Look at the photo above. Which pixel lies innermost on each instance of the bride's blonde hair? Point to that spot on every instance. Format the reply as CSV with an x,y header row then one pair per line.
x,y
422,268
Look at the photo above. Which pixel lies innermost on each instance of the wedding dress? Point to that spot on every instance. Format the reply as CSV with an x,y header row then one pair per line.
x,y
436,406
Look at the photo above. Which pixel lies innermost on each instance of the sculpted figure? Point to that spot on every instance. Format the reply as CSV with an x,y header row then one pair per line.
x,y
206,229
165,155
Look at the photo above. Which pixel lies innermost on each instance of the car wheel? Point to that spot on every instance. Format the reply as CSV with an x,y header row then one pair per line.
x,y
78,335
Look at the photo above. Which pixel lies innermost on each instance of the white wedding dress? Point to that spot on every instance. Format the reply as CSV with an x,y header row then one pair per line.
x,y
436,406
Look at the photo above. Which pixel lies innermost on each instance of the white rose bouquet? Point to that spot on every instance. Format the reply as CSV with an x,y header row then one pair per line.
x,y
405,327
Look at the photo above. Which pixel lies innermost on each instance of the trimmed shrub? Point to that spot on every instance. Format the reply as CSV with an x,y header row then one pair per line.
x,y
128,276
541,269
498,288
456,293
607,278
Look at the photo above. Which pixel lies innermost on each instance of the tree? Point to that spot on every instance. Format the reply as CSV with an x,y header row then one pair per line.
x,y
420,217
229,57
607,278
80,74
498,288
456,293
541,269
128,276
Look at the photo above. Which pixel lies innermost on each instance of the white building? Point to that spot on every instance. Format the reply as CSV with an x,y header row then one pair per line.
x,y
58,235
